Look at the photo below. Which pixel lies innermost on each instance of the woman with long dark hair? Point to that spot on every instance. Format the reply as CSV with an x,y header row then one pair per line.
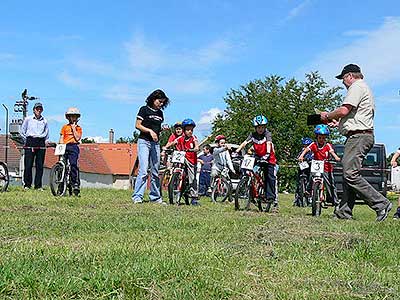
x,y
148,122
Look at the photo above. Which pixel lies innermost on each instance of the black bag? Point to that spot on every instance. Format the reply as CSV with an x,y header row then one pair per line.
x,y
314,119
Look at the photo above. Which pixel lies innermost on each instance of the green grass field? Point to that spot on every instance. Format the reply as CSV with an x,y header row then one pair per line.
x,y
101,246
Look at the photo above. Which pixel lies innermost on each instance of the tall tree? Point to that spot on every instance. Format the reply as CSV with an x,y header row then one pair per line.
x,y
286,104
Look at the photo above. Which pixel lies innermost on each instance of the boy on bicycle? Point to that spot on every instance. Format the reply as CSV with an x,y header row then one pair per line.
x,y
393,162
306,141
188,143
263,149
70,135
222,159
321,150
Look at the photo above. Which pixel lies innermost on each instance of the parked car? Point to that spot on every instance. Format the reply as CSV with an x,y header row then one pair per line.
x,y
374,169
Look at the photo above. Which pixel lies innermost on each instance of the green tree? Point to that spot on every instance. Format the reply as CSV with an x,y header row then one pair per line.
x,y
128,140
286,104
87,141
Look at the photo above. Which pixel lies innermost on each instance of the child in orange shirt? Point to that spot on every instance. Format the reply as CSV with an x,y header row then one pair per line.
x,y
70,135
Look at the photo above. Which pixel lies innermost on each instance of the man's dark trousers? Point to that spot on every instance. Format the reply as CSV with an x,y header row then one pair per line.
x,y
35,152
72,152
356,148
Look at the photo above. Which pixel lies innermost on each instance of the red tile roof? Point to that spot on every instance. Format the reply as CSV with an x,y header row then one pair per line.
x,y
116,159
14,154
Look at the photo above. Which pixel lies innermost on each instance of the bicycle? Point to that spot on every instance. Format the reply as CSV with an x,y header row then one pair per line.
x,y
222,187
165,169
318,199
303,195
4,177
250,189
60,173
178,185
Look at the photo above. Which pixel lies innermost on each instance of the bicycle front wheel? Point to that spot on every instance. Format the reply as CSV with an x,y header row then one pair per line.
x,y
316,201
242,195
302,200
4,177
221,190
58,184
175,189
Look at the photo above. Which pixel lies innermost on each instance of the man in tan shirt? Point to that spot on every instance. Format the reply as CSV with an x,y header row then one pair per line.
x,y
356,122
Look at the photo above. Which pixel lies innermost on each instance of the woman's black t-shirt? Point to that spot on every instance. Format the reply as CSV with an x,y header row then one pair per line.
x,y
151,119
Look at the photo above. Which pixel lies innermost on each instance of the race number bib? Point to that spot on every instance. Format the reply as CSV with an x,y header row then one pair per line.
x,y
60,149
317,166
303,165
178,157
248,162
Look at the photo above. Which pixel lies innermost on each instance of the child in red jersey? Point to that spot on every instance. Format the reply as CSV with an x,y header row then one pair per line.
x,y
178,130
188,143
322,150
263,149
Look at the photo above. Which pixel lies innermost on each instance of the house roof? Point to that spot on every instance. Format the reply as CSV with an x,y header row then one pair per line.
x,y
104,158
14,154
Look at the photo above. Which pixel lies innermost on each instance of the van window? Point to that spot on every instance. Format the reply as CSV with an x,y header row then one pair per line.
x,y
371,159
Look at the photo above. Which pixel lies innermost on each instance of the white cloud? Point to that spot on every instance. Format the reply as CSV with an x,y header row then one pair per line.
x,y
56,118
124,93
92,66
69,37
145,54
377,53
98,139
69,80
296,11
209,115
356,33
204,124
150,64
6,56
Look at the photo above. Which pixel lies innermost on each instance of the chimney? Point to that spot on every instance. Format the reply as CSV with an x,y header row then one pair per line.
x,y
111,136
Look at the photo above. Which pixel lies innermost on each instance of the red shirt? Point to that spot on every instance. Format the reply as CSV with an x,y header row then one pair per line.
x,y
322,153
185,144
172,137
260,145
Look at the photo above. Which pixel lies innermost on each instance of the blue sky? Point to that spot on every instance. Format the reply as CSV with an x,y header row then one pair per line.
x,y
105,57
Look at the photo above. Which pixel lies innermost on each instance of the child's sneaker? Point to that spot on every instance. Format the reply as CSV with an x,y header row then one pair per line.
x,y
76,192
397,214
194,202
275,208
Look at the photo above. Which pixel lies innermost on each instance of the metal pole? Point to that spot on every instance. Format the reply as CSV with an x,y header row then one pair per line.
x,y
6,151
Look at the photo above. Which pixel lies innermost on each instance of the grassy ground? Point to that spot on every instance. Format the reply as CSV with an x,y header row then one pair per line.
x,y
101,246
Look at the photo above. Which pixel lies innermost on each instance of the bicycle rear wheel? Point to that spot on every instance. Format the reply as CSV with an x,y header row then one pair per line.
x,y
316,201
221,190
4,177
242,195
58,184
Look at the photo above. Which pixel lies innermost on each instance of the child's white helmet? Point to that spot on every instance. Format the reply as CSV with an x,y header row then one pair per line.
x,y
72,111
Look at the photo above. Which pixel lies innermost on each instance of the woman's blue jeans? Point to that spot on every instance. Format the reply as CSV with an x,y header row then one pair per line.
x,y
149,161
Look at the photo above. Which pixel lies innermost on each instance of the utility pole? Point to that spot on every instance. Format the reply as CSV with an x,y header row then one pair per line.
x,y
20,106
6,149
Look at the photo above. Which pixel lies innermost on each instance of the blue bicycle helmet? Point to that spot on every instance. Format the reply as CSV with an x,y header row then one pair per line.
x,y
306,141
322,129
260,120
188,122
